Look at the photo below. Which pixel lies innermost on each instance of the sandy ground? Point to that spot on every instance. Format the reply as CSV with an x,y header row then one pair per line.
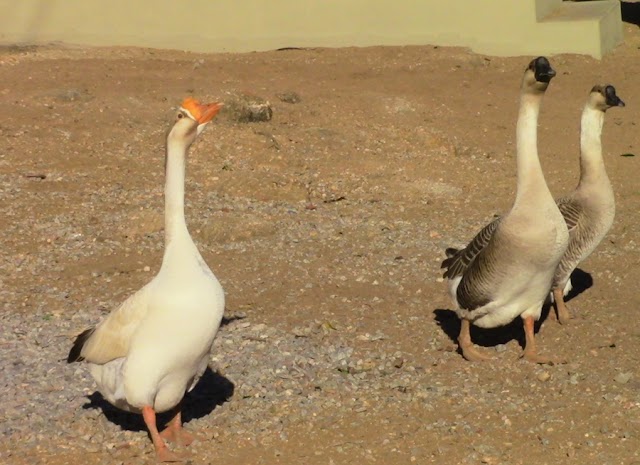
x,y
337,211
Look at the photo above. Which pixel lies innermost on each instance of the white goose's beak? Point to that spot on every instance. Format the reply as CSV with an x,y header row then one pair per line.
x,y
208,111
202,113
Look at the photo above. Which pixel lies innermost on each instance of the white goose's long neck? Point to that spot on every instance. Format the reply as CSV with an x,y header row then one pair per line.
x,y
175,226
591,163
531,183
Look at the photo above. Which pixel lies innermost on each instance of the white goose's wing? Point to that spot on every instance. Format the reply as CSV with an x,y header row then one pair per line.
x,y
111,338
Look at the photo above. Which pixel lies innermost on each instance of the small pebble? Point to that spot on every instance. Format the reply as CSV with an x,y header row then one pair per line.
x,y
622,378
544,376
501,348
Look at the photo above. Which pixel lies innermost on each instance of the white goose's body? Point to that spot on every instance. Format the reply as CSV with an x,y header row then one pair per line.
x,y
168,350
147,353
590,209
507,269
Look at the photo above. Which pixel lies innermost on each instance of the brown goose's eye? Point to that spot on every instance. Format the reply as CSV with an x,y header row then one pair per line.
x,y
180,115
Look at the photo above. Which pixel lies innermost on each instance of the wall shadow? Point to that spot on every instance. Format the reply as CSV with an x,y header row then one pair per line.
x,y
212,390
630,12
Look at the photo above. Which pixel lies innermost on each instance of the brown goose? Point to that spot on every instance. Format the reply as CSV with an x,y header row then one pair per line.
x,y
507,269
590,208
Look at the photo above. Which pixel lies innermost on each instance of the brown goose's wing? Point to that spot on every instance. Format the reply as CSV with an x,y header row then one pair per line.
x,y
459,261
571,211
477,285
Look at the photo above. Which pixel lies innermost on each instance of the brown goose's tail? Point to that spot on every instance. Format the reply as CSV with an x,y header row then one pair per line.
x,y
451,253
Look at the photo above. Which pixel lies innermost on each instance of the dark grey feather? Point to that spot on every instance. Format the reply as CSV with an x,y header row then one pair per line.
x,y
473,290
451,252
76,350
458,261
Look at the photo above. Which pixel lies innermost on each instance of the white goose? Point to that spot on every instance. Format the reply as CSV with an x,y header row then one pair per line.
x,y
590,208
507,269
147,353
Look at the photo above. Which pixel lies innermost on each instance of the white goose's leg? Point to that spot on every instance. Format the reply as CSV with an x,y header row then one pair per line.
x,y
174,432
163,454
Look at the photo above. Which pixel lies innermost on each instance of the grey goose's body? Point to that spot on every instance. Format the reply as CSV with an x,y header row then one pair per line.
x,y
589,210
507,269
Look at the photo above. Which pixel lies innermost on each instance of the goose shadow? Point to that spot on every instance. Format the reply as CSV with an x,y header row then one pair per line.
x,y
212,390
449,322
580,282
227,320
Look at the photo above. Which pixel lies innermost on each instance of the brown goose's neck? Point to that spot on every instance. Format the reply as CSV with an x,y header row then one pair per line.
x,y
531,185
592,168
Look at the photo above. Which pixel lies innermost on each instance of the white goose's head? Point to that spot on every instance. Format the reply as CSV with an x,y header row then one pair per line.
x,y
191,119
538,75
604,97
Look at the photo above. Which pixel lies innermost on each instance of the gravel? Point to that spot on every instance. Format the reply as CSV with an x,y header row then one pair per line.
x,y
255,370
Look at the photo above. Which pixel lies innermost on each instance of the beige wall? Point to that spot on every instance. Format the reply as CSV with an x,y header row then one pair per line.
x,y
499,27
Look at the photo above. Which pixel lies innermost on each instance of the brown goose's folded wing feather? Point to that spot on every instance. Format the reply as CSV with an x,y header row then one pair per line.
x,y
459,261
475,289
571,211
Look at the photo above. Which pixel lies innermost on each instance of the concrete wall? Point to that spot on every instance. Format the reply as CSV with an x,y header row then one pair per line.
x,y
498,27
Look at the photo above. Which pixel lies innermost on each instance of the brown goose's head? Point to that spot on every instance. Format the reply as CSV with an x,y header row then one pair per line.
x,y
604,97
538,75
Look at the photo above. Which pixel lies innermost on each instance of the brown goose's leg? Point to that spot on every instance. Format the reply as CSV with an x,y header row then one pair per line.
x,y
561,308
530,353
469,350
